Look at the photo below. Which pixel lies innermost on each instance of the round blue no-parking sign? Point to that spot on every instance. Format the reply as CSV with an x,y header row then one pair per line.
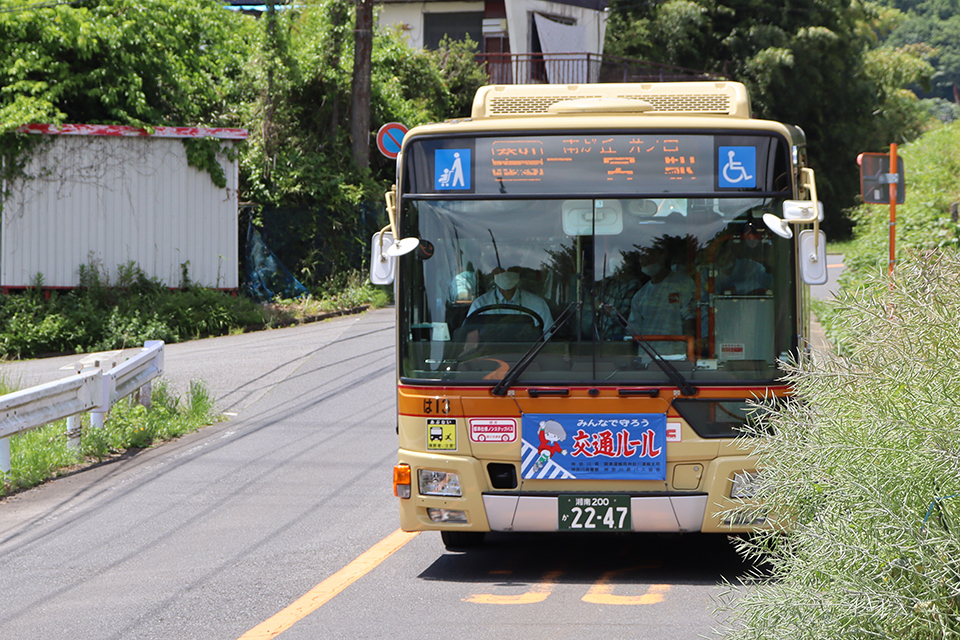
x,y
389,139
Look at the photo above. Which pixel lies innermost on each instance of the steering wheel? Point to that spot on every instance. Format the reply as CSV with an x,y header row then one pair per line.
x,y
538,321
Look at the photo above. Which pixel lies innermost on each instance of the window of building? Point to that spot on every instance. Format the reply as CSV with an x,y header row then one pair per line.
x,y
456,25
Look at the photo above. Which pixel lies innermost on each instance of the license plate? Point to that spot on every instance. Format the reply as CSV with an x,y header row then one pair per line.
x,y
594,513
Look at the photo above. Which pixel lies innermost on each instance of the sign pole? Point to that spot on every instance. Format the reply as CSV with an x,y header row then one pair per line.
x,y
893,205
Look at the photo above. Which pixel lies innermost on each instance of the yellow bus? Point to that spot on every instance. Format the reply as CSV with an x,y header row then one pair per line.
x,y
592,283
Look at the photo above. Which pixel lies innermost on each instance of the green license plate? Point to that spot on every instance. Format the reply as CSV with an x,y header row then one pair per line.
x,y
594,513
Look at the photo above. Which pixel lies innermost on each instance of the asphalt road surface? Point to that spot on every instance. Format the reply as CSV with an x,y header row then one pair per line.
x,y
281,522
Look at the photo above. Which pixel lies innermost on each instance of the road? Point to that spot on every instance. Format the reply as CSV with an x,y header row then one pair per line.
x,y
281,520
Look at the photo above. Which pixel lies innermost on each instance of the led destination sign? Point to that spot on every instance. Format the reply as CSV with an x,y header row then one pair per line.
x,y
620,159
577,163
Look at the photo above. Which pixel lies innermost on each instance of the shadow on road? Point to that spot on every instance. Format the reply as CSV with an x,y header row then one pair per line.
x,y
696,559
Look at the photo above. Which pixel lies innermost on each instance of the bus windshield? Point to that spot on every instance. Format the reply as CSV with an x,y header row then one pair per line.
x,y
700,282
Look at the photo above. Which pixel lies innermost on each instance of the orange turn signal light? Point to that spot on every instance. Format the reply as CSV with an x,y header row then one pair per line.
x,y
401,480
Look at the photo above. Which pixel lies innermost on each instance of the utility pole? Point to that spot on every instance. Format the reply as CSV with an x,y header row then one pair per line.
x,y
269,101
360,116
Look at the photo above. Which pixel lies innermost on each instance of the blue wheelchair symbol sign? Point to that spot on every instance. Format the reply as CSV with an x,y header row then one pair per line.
x,y
738,167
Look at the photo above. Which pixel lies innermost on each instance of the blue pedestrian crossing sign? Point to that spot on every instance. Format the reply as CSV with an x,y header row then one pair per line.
x,y
390,139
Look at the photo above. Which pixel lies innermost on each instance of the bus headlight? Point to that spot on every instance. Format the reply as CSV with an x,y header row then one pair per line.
x,y
744,485
438,483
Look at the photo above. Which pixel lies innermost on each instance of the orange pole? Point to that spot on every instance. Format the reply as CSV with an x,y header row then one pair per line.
x,y
893,206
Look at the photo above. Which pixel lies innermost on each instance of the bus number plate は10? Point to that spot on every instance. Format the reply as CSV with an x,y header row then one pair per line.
x,y
594,513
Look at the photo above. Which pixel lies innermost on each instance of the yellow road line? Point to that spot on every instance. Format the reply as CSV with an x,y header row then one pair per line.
x,y
538,593
326,590
602,592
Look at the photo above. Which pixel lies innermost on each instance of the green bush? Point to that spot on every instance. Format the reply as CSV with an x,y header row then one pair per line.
x,y
862,469
926,220
97,316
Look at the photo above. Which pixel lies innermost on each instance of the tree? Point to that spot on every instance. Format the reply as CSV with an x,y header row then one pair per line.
x,y
804,62
169,62
360,120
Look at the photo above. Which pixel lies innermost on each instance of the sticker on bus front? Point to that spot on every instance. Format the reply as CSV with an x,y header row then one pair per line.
x,y
441,434
608,446
493,430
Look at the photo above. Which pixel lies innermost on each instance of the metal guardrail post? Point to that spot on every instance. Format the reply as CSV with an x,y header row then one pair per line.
x,y
128,377
74,431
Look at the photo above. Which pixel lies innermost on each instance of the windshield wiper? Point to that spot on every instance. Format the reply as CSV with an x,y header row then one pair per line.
x,y
514,372
675,376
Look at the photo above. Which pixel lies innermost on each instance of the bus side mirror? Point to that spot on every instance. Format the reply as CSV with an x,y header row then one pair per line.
x,y
813,256
383,265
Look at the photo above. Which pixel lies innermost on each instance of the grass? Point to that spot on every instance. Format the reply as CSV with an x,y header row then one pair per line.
x,y
841,247
346,292
864,465
135,309
41,454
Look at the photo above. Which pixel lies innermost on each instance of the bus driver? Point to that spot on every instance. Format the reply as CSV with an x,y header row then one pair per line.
x,y
507,291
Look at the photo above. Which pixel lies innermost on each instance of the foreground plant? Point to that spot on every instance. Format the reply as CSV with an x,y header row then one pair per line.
x,y
865,465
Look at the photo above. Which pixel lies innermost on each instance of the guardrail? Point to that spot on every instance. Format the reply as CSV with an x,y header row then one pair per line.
x,y
91,391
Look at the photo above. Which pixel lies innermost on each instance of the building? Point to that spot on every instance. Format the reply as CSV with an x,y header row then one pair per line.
x,y
521,41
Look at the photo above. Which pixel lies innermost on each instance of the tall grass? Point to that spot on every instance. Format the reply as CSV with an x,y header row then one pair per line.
x,y
863,467
44,453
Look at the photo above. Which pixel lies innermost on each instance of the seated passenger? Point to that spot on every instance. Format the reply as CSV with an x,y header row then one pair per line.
x,y
739,272
665,304
463,287
507,291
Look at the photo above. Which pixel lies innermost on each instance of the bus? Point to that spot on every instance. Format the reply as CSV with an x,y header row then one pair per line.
x,y
594,285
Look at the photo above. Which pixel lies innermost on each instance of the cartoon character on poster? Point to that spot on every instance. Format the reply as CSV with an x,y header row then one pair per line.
x,y
550,434
607,446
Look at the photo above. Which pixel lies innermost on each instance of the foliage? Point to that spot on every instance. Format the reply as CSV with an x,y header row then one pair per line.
x,y
352,289
296,165
118,61
202,154
936,25
98,316
926,219
462,76
866,464
285,77
169,62
41,454
807,63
